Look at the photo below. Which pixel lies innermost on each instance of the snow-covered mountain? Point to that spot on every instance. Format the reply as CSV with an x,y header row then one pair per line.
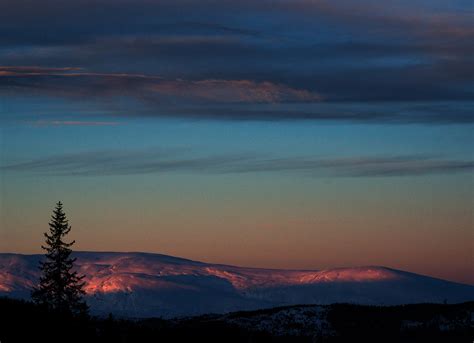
x,y
146,285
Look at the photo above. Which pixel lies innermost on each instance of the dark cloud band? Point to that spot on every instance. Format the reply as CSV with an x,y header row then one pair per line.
x,y
217,99
180,53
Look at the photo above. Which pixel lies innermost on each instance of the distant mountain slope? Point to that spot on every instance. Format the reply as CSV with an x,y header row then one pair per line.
x,y
146,285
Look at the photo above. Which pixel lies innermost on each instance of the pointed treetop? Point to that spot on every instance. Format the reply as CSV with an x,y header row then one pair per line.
x,y
60,287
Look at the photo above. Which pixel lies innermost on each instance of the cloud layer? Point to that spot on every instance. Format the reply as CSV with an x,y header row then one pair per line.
x,y
179,54
151,95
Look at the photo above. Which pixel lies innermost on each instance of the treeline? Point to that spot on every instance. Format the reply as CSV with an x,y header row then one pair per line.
x,y
22,321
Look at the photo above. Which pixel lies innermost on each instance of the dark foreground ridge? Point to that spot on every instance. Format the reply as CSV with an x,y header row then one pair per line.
x,y
22,321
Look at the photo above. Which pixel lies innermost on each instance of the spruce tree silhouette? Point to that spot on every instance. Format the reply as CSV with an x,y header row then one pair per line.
x,y
60,288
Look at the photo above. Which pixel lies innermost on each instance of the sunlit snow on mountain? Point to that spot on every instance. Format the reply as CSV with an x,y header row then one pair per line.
x,y
144,285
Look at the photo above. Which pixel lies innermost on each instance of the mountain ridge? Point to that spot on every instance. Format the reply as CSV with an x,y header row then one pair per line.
x,y
243,267
142,284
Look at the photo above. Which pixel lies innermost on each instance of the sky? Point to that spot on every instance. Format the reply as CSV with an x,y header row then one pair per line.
x,y
284,134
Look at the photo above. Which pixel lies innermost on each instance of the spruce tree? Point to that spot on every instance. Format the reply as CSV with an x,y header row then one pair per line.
x,y
60,287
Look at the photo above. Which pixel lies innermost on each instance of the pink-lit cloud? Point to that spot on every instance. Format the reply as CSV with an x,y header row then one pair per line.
x,y
246,91
75,82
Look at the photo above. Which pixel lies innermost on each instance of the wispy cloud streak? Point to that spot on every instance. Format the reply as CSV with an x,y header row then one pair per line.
x,y
41,123
103,163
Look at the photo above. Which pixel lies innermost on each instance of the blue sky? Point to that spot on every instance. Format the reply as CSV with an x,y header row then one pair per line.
x,y
303,134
